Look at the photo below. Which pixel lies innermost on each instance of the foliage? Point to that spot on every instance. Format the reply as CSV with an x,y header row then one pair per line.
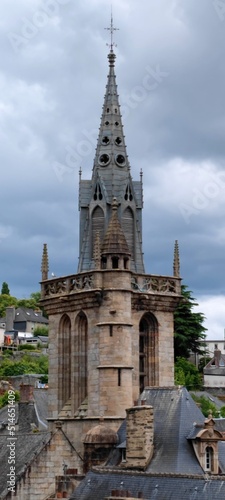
x,y
6,301
206,405
187,374
203,362
27,364
40,331
189,331
222,411
4,398
44,379
7,352
32,303
5,288
26,347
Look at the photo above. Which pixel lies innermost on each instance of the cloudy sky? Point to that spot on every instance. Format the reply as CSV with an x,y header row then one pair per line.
x,y
52,81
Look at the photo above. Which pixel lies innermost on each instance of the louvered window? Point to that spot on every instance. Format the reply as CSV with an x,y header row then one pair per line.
x,y
128,228
98,223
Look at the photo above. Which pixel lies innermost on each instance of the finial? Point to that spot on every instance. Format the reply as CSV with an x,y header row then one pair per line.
x,y
111,29
176,261
115,204
44,264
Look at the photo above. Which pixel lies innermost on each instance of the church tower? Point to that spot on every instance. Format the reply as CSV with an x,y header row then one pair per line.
x,y
111,325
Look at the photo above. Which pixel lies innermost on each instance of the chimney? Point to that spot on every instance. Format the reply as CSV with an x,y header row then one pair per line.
x,y
140,436
26,393
217,356
10,316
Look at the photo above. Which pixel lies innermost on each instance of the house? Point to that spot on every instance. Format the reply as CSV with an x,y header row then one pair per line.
x,y
214,371
23,319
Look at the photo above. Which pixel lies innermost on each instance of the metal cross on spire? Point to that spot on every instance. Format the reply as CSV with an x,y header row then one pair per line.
x,y
111,29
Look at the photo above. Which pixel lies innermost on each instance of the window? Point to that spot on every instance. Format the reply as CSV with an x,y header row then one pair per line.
x,y
98,222
124,458
148,345
115,262
208,458
119,377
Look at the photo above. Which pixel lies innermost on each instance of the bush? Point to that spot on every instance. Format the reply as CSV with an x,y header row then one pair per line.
x,y
7,352
26,365
27,347
4,398
206,405
40,331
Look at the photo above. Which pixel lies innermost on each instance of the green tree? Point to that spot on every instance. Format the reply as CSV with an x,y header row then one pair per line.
x,y
187,374
5,288
6,301
189,331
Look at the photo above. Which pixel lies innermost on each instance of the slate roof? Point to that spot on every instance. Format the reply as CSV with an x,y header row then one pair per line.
x,y
28,443
100,484
174,472
27,446
174,414
26,314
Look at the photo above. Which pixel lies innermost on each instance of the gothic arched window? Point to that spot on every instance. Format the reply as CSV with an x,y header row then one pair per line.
x,y
128,229
81,358
64,360
98,223
148,351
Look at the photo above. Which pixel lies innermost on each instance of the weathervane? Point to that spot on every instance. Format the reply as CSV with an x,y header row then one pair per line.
x,y
111,29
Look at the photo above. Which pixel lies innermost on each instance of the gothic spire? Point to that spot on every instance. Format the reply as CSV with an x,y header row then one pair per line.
x,y
111,178
44,264
176,261
111,159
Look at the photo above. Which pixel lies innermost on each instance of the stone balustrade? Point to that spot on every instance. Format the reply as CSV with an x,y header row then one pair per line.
x,y
87,281
156,284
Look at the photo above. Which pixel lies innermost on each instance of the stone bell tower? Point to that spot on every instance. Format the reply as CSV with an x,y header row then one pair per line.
x,y
111,325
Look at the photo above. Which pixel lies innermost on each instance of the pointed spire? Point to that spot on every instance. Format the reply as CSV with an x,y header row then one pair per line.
x,y
176,261
111,159
44,264
114,240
